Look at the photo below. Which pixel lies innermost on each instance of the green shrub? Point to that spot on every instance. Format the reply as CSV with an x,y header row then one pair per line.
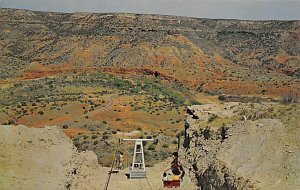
x,y
94,136
41,113
105,137
151,147
212,117
289,98
194,102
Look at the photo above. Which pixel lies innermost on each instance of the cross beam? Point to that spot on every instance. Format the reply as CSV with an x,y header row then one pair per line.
x,y
138,139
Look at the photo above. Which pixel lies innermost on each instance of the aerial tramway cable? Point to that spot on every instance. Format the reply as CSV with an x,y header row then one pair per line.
x,y
178,156
112,166
114,159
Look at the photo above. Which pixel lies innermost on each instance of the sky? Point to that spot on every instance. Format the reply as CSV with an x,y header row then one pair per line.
x,y
223,9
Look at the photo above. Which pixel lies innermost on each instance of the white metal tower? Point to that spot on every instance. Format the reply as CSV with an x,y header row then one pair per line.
x,y
138,167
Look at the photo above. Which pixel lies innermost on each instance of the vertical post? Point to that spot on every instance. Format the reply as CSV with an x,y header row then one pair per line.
x,y
143,160
134,155
179,136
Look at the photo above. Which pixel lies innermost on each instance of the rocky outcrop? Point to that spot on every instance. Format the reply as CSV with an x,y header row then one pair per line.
x,y
244,155
44,158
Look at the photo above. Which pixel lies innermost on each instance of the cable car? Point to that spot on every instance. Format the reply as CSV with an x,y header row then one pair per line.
x,y
177,171
171,183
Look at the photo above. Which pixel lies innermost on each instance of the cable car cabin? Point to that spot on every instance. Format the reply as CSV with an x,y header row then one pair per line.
x,y
172,184
175,182
177,171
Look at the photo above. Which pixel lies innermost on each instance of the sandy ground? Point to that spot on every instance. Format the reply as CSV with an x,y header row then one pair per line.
x,y
34,158
259,151
45,158
153,180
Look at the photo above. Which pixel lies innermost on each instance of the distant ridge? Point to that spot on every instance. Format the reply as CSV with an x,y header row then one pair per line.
x,y
214,56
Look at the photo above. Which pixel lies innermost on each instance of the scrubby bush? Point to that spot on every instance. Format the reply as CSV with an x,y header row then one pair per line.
x,y
175,141
212,117
12,122
41,113
194,102
289,98
151,147
94,136
222,98
105,137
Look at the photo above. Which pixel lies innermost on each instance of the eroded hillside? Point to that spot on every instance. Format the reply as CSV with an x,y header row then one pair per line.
x,y
214,56
44,159
101,77
243,146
